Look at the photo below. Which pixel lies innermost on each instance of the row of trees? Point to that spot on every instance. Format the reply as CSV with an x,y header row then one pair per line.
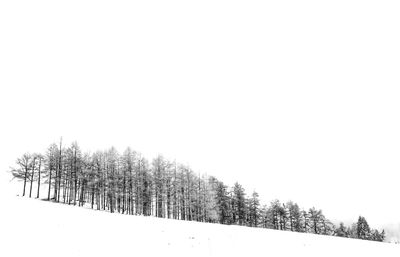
x,y
360,230
128,183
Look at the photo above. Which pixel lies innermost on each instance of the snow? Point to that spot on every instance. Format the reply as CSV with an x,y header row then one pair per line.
x,y
41,228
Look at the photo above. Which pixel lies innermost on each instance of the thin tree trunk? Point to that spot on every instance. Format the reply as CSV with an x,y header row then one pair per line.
x,y
56,182
59,171
123,192
25,177
33,171
65,184
38,189
76,177
92,194
70,194
48,196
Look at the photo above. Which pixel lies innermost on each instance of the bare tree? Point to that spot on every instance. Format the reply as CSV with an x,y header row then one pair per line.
x,y
22,171
40,159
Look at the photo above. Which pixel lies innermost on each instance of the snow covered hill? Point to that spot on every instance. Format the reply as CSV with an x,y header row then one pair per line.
x,y
31,227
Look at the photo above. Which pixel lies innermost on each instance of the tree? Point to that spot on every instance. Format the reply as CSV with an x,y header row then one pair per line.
x,y
51,163
305,221
76,174
159,166
59,174
264,216
352,230
32,164
239,204
145,192
382,236
327,227
254,212
315,216
363,230
40,159
22,172
377,236
127,166
222,201
210,203
278,215
274,214
341,231
294,216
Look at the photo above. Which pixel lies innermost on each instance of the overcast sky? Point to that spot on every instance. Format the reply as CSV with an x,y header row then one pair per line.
x,y
294,99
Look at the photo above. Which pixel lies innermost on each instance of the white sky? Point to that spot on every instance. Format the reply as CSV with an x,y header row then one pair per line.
x,y
296,99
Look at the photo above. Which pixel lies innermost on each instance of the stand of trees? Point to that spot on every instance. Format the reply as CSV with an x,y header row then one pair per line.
x,y
128,183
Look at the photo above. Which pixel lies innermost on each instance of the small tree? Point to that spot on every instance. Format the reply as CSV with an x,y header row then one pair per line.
x,y
22,171
341,231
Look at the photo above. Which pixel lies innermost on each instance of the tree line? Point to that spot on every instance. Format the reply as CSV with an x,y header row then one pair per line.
x,y
128,183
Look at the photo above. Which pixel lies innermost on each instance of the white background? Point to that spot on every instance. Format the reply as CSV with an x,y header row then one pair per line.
x,y
294,99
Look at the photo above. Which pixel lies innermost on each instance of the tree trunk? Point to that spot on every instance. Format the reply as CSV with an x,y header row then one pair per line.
x,y
25,177
59,171
56,182
33,171
48,195
38,189
76,178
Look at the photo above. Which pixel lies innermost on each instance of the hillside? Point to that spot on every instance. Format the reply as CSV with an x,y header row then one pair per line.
x,y
34,227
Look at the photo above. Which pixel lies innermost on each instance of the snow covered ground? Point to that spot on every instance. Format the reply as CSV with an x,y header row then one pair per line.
x,y
31,227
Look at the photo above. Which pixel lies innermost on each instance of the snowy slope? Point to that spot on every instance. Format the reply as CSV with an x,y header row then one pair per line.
x,y
32,227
